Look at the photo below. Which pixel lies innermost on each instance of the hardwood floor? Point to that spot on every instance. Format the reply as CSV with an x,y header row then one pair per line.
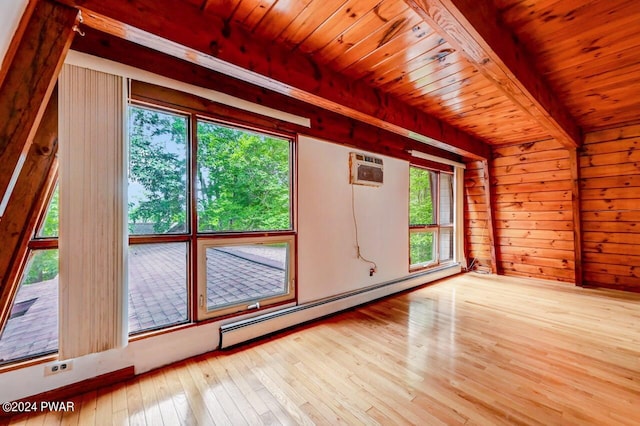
x,y
475,349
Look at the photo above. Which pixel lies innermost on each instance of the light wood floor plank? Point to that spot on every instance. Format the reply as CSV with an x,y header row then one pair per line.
x,y
473,350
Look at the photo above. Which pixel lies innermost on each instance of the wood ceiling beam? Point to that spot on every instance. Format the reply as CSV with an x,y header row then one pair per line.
x,y
324,124
187,33
474,28
28,83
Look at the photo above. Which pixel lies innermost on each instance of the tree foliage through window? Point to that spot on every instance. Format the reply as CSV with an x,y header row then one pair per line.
x,y
243,180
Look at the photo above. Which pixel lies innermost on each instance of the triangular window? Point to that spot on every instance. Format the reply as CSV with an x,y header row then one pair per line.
x,y
32,328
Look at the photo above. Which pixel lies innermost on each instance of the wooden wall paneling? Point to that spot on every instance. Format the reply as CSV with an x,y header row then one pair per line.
x,y
26,204
475,29
599,138
534,210
610,208
273,66
324,124
29,80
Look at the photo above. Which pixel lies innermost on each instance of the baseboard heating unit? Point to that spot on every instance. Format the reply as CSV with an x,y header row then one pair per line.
x,y
234,333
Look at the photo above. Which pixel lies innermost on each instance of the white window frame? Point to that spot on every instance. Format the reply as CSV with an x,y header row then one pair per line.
x,y
203,311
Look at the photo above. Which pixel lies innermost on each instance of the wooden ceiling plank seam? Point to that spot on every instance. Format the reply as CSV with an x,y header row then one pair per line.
x,y
618,40
388,72
436,104
576,66
449,63
250,14
431,88
396,38
278,19
231,9
459,71
467,106
308,21
331,29
393,55
473,94
358,37
474,28
520,12
29,82
554,39
210,41
426,86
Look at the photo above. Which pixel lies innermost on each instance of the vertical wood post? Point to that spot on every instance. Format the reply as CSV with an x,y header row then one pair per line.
x,y
491,225
574,163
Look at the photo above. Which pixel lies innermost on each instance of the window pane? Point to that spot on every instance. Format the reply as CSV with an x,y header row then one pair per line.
x,y
245,273
32,329
157,172
446,244
243,180
421,195
157,285
446,199
421,248
49,226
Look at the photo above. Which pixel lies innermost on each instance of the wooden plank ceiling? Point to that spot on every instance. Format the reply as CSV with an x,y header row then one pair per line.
x,y
502,71
388,45
588,51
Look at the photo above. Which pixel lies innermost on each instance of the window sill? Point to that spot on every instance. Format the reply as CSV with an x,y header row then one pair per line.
x,y
432,268
28,363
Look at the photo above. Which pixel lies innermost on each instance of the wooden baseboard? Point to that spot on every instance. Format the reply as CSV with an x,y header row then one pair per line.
x,y
66,392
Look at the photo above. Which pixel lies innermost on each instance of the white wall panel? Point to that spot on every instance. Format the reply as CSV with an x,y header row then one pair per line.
x,y
327,256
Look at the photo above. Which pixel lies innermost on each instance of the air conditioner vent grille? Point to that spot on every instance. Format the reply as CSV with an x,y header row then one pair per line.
x,y
365,169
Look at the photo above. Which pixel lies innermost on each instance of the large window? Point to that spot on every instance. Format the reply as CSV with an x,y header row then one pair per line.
x,y
210,223
244,219
206,193
243,180
158,219
431,231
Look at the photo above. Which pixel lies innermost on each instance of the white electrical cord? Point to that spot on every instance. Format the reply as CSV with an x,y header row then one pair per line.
x,y
355,225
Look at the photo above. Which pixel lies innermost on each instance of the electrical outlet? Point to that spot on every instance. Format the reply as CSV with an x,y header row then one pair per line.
x,y
58,367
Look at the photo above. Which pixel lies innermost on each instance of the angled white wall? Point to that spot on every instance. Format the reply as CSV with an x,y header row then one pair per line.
x,y
10,13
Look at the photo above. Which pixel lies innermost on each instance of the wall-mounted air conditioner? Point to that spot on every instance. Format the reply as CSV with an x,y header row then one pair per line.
x,y
365,169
